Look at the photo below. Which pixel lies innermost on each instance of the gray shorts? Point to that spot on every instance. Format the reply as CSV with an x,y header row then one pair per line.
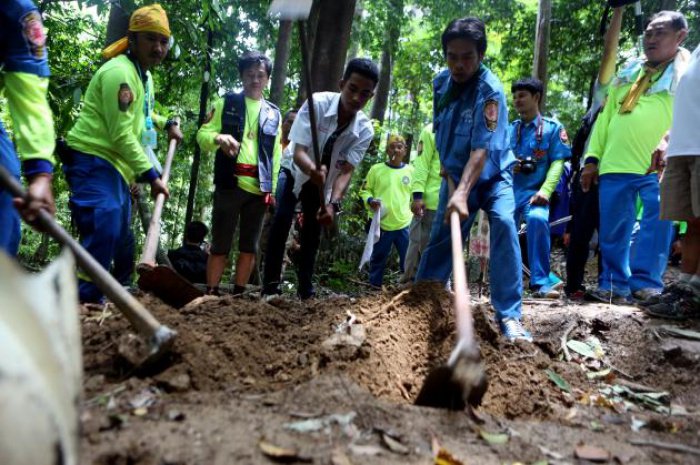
x,y
229,206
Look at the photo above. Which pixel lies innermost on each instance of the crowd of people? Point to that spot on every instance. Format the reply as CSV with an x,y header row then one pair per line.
x,y
632,170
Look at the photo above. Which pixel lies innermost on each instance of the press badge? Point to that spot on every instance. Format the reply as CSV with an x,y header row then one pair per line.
x,y
149,136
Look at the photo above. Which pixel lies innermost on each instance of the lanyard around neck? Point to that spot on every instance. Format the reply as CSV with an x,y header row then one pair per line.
x,y
539,132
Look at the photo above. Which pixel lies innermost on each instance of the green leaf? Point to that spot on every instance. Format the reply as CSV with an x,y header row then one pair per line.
x,y
581,348
494,439
558,380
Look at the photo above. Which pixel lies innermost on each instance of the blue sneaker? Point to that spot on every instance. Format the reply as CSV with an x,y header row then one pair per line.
x,y
546,292
555,282
513,330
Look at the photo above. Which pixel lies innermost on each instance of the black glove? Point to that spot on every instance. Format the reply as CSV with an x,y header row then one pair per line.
x,y
617,3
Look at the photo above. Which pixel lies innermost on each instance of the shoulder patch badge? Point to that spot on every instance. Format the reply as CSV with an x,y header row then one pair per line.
x,y
563,136
34,34
405,180
491,114
125,96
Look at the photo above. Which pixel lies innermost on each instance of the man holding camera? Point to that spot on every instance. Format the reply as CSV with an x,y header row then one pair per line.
x,y
541,146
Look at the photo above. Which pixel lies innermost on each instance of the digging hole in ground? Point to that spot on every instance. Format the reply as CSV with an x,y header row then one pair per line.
x,y
247,346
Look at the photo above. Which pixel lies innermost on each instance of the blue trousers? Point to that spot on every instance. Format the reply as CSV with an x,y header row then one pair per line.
x,y
381,251
100,204
506,277
9,218
279,231
630,266
538,239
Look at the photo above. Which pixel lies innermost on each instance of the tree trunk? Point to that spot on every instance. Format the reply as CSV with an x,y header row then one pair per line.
x,y
197,156
355,33
539,66
381,96
669,5
331,43
118,22
279,70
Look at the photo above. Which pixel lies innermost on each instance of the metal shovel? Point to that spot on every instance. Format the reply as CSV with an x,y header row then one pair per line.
x,y
462,381
158,336
161,280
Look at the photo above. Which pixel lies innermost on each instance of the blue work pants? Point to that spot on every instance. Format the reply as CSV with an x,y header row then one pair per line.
x,y
506,277
630,266
381,251
536,218
9,217
100,204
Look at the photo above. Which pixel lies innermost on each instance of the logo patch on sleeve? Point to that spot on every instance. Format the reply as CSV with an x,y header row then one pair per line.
x,y
491,115
34,34
125,96
563,136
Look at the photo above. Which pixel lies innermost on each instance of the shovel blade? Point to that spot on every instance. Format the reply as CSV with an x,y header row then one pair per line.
x,y
169,286
453,388
290,10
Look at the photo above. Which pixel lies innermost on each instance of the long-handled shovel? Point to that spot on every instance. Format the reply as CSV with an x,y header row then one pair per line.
x,y
299,10
161,280
158,336
463,380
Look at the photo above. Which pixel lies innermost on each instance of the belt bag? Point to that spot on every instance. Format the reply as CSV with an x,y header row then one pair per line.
x,y
242,169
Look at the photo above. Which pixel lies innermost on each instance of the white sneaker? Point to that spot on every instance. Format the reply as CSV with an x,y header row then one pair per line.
x,y
513,330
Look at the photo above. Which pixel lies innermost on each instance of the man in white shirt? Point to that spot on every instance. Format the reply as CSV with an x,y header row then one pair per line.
x,y
344,134
680,194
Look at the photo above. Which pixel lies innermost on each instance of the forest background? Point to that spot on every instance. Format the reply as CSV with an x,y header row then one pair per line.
x,y
402,35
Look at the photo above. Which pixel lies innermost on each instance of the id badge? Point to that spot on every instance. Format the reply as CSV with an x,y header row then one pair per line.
x,y
149,138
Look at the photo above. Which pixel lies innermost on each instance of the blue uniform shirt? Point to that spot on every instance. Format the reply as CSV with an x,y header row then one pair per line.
x,y
476,119
22,38
545,140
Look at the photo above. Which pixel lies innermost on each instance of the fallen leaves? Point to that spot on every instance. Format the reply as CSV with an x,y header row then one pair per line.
x,y
281,454
591,453
558,380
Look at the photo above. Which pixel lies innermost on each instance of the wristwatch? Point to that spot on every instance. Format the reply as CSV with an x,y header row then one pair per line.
x,y
337,204
170,123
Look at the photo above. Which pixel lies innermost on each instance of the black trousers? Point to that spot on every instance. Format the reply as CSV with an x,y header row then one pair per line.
x,y
586,218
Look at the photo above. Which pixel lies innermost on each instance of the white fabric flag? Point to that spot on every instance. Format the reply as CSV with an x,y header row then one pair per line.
x,y
372,237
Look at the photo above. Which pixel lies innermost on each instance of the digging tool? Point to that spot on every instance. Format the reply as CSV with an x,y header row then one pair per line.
x,y
463,380
161,280
299,11
158,336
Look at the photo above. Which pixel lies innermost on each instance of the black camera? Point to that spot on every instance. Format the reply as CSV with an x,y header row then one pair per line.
x,y
527,164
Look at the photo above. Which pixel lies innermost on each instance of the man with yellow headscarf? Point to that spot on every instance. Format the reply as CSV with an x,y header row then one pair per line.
x,y
111,145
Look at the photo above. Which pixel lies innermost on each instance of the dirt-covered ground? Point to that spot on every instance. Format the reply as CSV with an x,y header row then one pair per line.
x,y
333,381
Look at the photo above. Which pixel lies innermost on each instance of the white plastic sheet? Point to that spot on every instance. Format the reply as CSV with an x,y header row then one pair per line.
x,y
372,237
40,364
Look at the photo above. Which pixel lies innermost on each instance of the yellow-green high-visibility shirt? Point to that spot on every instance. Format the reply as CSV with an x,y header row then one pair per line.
x,y
391,185
426,175
624,143
249,145
112,120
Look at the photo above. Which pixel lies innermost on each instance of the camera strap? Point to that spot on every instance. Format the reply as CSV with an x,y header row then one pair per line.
x,y
539,135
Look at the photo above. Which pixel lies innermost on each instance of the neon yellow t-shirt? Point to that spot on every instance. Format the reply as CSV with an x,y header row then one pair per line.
x,y
426,177
112,119
624,143
393,186
248,155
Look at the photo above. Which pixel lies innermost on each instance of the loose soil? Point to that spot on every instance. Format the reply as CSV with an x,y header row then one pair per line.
x,y
243,371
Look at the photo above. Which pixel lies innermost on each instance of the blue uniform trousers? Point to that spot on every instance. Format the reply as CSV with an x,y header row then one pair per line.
x,y
9,218
381,251
100,203
279,231
631,266
536,218
497,200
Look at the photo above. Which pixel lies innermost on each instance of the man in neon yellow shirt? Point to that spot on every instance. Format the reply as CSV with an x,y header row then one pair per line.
x,y
111,145
636,116
426,194
387,189
25,75
245,131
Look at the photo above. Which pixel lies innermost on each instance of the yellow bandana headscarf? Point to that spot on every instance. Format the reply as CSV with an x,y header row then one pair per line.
x,y
150,18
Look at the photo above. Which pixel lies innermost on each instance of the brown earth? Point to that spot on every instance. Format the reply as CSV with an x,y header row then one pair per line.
x,y
242,371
